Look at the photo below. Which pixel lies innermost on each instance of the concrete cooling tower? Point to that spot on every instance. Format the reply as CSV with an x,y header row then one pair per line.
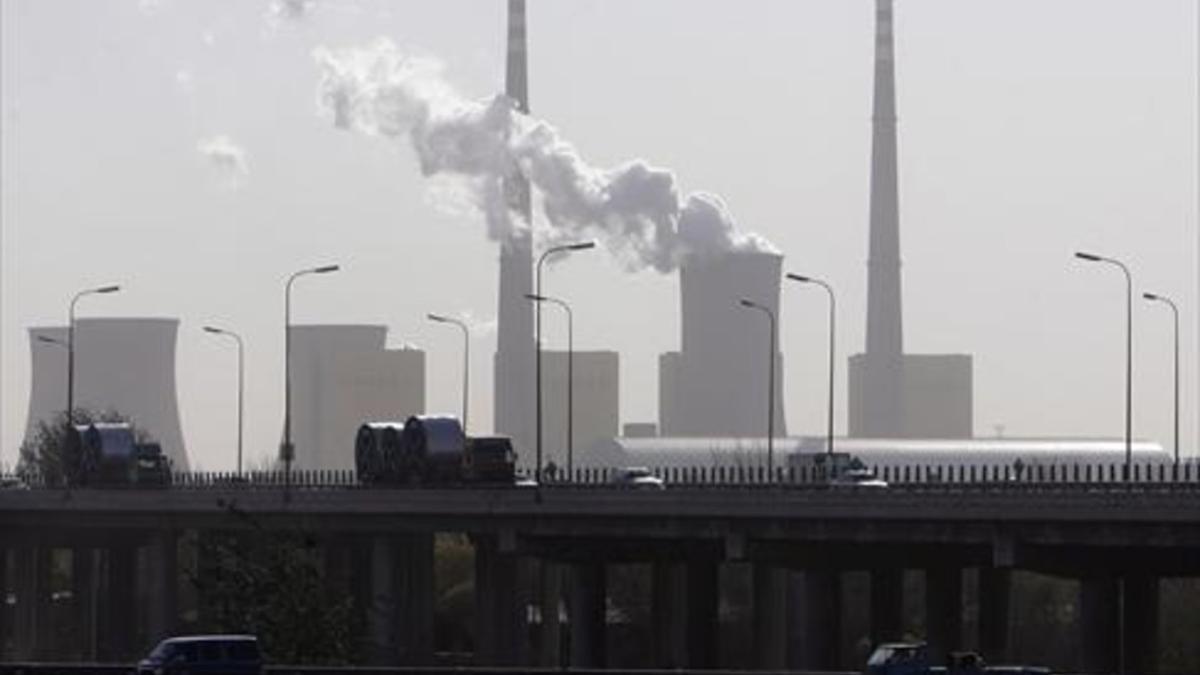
x,y
122,365
342,376
717,384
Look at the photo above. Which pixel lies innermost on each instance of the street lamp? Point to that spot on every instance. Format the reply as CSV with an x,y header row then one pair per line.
x,y
287,451
832,347
71,347
770,387
1091,257
570,376
1154,297
563,248
466,385
241,385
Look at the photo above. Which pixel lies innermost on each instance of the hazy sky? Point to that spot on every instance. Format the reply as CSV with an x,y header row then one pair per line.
x,y
175,147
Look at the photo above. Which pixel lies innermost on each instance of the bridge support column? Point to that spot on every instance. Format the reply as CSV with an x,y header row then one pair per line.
x,y
702,592
83,598
770,617
550,576
119,596
995,587
383,610
1139,622
31,577
817,619
669,607
887,598
943,611
163,583
414,596
500,634
588,593
1098,623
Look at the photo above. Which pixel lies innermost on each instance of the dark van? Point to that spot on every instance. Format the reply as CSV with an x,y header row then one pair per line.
x,y
204,655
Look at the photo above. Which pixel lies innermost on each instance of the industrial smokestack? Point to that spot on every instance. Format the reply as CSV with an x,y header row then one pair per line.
x,y
883,364
513,390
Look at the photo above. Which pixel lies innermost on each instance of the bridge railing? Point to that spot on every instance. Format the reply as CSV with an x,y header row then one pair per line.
x,y
985,477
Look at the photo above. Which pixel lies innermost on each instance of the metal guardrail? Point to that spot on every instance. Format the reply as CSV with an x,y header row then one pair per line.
x,y
1155,477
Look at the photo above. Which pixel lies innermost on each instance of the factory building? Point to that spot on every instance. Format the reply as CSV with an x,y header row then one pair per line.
x,y
122,365
343,375
596,404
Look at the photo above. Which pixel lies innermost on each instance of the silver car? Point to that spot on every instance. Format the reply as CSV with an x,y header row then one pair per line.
x,y
638,478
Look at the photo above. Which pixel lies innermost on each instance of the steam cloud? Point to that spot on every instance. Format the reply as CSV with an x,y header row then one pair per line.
x,y
635,208
227,158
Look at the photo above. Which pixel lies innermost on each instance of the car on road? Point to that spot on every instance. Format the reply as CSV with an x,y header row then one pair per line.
x,y
638,478
858,478
204,655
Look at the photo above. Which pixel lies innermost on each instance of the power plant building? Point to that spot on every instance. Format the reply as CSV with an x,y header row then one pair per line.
x,y
597,414
716,385
342,376
122,365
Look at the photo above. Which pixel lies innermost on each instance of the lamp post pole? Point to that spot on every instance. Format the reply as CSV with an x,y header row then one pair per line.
x,y
832,349
466,384
241,385
287,451
770,387
570,377
1091,257
537,312
71,346
1154,297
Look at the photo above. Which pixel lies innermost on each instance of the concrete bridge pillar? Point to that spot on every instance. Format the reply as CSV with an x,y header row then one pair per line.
x,y
550,575
1140,623
415,588
1098,623
770,617
31,572
83,597
887,605
816,600
702,593
163,585
943,611
118,600
995,586
383,610
588,594
669,607
3,598
501,632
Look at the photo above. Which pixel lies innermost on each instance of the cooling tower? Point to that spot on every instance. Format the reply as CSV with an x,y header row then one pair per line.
x,y
121,365
720,384
343,376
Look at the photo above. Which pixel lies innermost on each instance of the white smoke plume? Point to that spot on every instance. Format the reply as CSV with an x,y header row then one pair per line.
x,y
227,158
635,208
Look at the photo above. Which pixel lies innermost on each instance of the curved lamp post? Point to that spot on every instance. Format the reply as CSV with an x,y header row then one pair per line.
x,y
1154,297
466,384
1091,257
287,451
564,248
770,387
241,380
832,347
71,345
570,376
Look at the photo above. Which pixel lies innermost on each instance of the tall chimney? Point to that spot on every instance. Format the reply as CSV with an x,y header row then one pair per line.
x,y
884,366
514,387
